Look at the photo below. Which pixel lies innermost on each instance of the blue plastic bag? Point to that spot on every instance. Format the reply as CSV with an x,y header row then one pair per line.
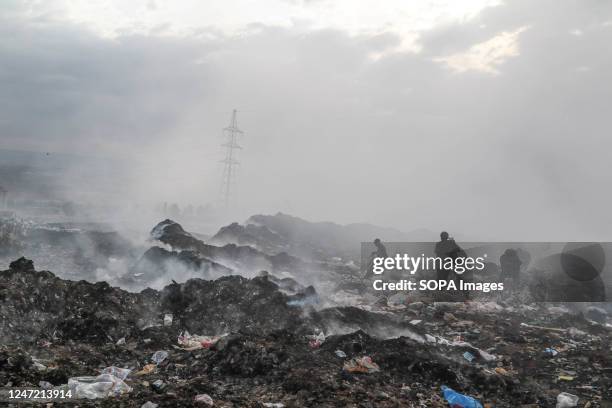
x,y
456,400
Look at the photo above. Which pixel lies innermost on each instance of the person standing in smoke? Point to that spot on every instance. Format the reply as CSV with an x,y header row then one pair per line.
x,y
446,248
510,266
380,252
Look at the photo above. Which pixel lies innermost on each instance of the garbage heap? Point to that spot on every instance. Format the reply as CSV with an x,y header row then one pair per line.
x,y
237,342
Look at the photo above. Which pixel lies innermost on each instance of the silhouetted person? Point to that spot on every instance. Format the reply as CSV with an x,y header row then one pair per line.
x,y
446,248
380,252
510,266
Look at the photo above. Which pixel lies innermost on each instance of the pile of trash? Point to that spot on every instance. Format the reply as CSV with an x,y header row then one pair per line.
x,y
237,342
307,240
72,250
40,306
283,338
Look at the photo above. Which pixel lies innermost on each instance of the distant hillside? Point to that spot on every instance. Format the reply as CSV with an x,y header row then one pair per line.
x,y
312,240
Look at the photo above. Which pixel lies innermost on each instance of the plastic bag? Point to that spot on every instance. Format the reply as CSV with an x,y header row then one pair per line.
x,y
159,356
567,400
102,386
121,373
316,340
195,342
457,400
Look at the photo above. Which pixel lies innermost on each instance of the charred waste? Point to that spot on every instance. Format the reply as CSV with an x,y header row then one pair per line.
x,y
270,314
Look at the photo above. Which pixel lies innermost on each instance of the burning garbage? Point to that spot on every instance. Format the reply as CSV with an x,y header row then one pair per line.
x,y
276,339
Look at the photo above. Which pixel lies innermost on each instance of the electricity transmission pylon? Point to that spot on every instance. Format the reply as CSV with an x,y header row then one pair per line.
x,y
230,163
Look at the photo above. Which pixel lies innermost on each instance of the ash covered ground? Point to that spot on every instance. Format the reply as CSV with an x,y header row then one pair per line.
x,y
274,313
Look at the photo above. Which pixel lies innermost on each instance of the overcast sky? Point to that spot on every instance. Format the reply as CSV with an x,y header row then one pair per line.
x,y
486,118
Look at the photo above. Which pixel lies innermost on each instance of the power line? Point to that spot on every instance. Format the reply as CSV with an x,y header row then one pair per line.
x,y
230,163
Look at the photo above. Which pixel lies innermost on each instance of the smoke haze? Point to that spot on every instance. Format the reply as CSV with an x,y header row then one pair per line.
x,y
490,121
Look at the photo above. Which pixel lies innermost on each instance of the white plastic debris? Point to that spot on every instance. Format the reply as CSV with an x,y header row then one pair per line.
x,y
39,366
567,400
340,353
194,342
149,404
316,340
204,398
102,386
120,373
460,343
572,331
415,322
120,342
486,356
361,365
274,405
159,356
168,319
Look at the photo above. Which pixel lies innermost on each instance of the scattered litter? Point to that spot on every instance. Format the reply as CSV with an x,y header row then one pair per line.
x,y
415,322
486,356
273,405
168,319
567,400
457,400
572,331
205,398
102,386
148,369
468,356
501,371
361,365
44,343
194,342
159,356
316,340
158,385
268,346
121,373
551,351
39,366
449,317
149,404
